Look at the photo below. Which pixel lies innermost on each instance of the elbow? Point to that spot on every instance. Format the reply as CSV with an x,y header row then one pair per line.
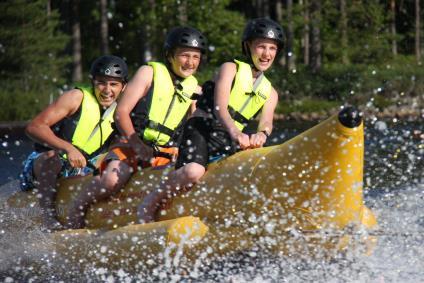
x,y
122,110
30,129
118,114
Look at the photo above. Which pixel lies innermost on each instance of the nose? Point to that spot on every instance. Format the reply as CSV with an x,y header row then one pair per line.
x,y
267,52
107,88
190,61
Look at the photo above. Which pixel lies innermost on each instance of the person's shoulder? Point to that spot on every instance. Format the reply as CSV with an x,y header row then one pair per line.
x,y
70,99
145,68
144,71
274,93
229,65
227,68
75,93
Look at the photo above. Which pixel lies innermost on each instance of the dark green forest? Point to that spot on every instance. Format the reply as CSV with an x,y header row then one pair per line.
x,y
367,53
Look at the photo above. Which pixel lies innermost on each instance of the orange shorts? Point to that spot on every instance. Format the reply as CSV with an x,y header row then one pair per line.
x,y
125,153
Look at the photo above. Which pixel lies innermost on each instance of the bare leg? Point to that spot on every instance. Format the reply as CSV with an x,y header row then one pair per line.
x,y
46,169
112,180
181,178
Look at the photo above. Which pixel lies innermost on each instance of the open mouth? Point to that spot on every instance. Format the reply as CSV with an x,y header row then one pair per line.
x,y
187,69
264,61
106,98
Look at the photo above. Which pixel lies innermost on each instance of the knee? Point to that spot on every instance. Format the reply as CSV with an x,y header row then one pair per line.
x,y
115,176
193,172
47,163
109,181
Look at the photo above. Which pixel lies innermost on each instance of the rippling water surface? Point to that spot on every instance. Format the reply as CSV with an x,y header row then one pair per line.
x,y
394,190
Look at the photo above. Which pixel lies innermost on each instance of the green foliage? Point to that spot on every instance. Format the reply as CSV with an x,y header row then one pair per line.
x,y
144,24
357,84
306,105
35,48
31,57
223,28
368,33
334,82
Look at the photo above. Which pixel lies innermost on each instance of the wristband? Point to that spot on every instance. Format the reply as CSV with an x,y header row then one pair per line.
x,y
265,132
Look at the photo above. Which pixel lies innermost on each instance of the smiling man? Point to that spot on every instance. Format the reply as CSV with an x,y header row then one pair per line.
x,y
149,116
72,132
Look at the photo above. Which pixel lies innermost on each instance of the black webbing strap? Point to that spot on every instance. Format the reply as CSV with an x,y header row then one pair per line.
x,y
159,127
195,96
157,153
237,116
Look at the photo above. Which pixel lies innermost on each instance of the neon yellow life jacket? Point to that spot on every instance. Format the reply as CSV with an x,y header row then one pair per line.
x,y
246,98
169,105
92,129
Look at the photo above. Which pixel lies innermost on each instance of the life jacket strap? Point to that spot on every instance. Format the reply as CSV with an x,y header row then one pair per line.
x,y
237,116
159,127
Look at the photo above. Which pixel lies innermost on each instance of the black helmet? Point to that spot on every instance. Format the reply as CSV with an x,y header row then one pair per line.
x,y
111,66
263,28
185,37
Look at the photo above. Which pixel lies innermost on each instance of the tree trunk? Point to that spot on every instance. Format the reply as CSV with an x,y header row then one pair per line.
x,y
279,11
417,31
76,42
182,13
262,8
306,30
289,49
49,8
266,8
316,59
393,26
104,29
343,30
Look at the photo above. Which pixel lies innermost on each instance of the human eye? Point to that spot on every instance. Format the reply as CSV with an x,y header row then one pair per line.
x,y
99,83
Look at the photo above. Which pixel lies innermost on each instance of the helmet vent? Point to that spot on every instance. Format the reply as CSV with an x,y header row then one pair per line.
x,y
185,37
109,65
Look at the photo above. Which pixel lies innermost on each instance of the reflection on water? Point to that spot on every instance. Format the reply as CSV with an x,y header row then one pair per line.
x,y
394,190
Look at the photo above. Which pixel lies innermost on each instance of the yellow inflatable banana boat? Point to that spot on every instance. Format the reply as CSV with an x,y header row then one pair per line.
x,y
304,195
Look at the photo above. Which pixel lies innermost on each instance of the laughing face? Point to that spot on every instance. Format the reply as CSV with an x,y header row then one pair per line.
x,y
263,52
107,89
185,61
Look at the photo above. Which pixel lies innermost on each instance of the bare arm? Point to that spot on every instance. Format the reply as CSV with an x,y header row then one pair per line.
x,y
136,89
39,128
223,84
267,115
266,121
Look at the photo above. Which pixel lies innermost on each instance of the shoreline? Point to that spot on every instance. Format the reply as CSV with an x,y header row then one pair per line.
x,y
400,113
403,113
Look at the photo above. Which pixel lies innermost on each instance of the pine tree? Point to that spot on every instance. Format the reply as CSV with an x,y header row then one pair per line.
x,y
31,57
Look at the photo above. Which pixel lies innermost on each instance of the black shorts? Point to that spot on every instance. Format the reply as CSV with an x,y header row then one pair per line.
x,y
203,138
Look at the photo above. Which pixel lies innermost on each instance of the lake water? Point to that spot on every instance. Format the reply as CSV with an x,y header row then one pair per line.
x,y
394,190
